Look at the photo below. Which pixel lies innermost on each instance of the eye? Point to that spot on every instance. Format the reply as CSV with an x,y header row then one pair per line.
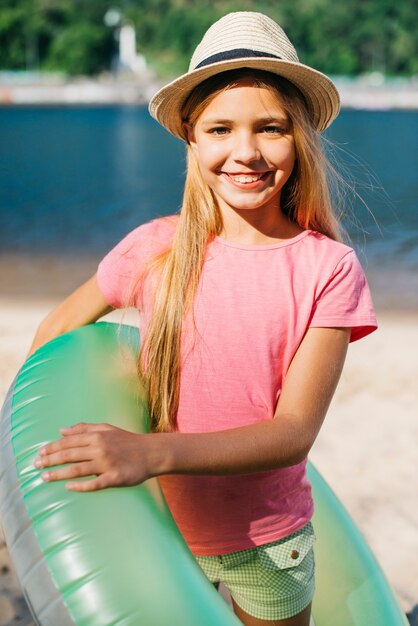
x,y
274,130
218,131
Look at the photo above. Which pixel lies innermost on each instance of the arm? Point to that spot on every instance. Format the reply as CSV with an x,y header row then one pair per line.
x,y
117,457
84,306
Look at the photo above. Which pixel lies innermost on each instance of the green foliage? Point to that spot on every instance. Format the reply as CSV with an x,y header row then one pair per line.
x,y
81,48
335,36
66,35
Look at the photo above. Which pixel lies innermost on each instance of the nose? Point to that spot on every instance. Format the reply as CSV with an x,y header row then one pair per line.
x,y
246,147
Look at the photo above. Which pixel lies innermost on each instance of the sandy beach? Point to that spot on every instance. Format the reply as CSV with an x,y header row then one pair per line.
x,y
366,449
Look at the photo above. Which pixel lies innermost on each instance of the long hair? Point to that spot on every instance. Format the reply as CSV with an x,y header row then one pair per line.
x,y
305,199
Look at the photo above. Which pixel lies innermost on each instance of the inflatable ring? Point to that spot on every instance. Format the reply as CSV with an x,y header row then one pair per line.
x,y
116,557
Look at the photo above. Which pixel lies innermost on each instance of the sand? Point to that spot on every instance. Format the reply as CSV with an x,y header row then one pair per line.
x,y
366,449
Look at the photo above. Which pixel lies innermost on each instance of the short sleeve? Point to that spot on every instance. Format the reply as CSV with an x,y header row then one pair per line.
x,y
345,300
119,272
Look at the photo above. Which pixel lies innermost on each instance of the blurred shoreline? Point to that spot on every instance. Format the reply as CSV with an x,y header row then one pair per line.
x,y
25,88
53,276
369,92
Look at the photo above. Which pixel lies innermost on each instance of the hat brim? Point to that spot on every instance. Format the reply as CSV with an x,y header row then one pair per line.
x,y
319,91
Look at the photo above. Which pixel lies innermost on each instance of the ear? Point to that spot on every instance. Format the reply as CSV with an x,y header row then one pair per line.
x,y
188,133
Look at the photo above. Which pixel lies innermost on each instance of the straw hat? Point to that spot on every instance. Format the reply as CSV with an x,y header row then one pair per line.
x,y
246,39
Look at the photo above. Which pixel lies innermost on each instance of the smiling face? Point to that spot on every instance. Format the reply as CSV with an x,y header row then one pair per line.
x,y
244,146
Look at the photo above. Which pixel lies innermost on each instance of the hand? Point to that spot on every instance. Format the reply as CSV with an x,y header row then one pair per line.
x,y
114,456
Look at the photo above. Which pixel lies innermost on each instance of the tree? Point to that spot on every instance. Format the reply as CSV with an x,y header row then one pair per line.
x,y
335,36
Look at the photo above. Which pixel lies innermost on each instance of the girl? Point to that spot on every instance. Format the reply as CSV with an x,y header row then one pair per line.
x,y
248,301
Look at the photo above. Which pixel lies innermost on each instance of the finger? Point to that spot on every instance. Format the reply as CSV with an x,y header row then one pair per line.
x,y
80,427
95,484
78,470
83,427
70,455
74,441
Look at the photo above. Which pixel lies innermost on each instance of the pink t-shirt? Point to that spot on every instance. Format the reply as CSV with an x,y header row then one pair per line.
x,y
252,309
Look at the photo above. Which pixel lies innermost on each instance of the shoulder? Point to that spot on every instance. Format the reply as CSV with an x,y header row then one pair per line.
x,y
331,263
160,230
329,257
141,244
327,249
153,237
163,226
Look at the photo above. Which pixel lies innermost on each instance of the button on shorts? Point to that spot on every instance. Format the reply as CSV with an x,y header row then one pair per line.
x,y
270,582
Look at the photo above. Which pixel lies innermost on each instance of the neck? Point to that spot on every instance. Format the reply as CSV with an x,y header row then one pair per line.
x,y
257,226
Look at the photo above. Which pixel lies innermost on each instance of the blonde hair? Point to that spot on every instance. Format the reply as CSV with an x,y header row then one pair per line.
x,y
305,198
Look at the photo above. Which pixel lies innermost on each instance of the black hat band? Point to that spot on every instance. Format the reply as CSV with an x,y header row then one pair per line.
x,y
238,53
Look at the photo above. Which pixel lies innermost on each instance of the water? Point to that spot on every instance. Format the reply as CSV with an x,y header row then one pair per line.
x,y
74,180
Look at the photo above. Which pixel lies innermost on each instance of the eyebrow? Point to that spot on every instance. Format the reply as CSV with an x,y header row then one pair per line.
x,y
261,120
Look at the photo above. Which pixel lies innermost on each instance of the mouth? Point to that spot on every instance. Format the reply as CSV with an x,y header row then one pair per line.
x,y
247,178
250,181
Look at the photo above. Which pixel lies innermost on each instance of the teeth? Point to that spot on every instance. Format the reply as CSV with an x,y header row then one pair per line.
x,y
246,179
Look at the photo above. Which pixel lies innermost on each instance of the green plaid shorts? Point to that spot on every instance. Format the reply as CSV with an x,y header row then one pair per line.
x,y
270,582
